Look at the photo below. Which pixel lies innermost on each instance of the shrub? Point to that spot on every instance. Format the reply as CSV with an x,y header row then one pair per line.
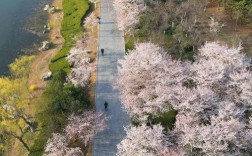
x,y
60,64
21,66
63,99
166,119
129,45
63,53
240,10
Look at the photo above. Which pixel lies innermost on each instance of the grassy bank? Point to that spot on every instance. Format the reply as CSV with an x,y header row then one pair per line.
x,y
58,98
74,11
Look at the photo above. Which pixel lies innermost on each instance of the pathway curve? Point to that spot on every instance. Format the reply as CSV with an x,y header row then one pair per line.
x,y
111,40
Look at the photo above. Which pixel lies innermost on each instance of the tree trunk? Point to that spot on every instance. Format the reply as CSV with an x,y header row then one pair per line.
x,y
20,139
23,143
28,123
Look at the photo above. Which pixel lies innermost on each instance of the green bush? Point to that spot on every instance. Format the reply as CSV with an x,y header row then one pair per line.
x,y
63,53
60,64
63,99
239,9
74,11
129,45
49,123
166,119
21,66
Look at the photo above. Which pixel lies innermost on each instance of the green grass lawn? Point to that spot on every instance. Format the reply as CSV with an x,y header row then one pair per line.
x,y
74,12
60,64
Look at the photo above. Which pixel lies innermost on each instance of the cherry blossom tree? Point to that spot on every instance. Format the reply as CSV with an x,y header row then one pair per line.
x,y
91,21
58,146
226,71
212,96
77,57
84,127
215,117
215,62
81,129
223,134
81,70
148,79
239,86
127,12
80,76
147,141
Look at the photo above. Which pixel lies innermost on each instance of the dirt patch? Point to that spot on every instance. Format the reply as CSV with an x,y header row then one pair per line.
x,y
232,33
93,55
42,60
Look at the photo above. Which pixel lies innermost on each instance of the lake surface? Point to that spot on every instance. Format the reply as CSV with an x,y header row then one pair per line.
x,y
21,24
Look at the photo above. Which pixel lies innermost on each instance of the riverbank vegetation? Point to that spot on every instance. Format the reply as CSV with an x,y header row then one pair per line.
x,y
71,29
15,122
37,116
49,113
61,100
62,97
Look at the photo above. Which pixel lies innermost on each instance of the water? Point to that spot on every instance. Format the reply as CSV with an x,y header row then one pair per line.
x,y
21,24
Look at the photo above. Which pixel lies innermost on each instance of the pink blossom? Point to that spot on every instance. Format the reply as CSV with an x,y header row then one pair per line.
x,y
85,126
127,12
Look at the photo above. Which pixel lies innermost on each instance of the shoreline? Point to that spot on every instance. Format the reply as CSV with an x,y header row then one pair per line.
x,y
43,58
20,31
40,65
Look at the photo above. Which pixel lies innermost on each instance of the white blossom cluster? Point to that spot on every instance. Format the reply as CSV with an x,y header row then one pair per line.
x,y
91,20
212,96
214,25
146,141
127,12
58,146
85,126
81,129
144,83
80,73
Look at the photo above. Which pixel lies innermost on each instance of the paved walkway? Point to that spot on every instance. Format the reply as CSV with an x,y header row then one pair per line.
x,y
111,40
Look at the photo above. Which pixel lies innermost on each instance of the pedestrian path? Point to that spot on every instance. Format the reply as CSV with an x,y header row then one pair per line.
x,y
111,40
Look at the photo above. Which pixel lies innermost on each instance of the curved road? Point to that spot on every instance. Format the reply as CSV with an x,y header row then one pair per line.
x,y
112,41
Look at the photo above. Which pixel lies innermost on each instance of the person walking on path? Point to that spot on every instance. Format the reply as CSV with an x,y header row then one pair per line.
x,y
106,105
102,51
99,19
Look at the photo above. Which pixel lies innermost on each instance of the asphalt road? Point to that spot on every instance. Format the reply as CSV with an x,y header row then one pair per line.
x,y
112,41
